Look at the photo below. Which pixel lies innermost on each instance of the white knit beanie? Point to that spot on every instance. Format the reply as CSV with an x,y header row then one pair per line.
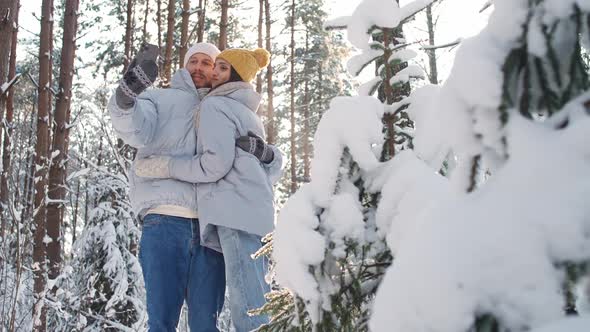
x,y
205,48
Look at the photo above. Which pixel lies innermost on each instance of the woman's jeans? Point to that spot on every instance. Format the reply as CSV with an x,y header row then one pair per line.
x,y
177,268
245,277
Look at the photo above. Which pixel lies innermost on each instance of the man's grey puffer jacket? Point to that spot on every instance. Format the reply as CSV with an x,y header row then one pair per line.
x,y
160,123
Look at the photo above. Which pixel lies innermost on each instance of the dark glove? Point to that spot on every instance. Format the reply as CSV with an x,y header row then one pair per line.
x,y
255,145
140,74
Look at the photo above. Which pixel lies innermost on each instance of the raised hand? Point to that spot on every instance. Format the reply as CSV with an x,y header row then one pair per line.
x,y
141,73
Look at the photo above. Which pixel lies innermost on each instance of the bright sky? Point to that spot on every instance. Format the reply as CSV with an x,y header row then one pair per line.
x,y
456,19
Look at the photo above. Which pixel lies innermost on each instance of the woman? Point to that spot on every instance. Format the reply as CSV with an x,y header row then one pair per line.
x,y
234,190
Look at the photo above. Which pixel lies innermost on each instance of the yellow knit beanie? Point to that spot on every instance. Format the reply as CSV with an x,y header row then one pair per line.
x,y
247,63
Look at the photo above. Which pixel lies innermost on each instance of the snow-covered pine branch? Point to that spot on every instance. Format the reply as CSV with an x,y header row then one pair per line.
x,y
516,103
327,249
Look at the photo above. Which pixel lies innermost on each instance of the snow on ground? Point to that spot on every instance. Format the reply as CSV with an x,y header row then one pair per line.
x,y
571,324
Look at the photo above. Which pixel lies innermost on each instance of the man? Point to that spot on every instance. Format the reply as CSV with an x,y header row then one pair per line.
x,y
176,267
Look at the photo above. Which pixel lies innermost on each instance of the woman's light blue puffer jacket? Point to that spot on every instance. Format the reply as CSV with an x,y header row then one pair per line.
x,y
234,189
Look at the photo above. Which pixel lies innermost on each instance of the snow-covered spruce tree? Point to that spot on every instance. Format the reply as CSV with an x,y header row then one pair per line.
x,y
543,72
101,287
499,254
328,255
103,284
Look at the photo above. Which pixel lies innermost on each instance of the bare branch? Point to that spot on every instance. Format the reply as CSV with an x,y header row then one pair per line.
x,y
335,27
486,5
27,30
33,80
6,86
434,47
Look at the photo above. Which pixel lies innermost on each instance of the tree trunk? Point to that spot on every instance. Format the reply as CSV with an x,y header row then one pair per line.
x,y
306,114
128,46
292,99
77,199
57,170
159,22
75,212
186,6
18,273
201,26
50,94
270,130
6,150
8,12
18,148
100,152
320,103
388,91
260,23
223,24
169,43
127,51
431,52
30,160
86,198
145,20
131,55
41,148
128,34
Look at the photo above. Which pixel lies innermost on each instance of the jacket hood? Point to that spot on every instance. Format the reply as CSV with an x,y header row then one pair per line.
x,y
241,92
182,80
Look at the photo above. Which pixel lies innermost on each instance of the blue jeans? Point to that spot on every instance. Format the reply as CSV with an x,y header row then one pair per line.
x,y
245,277
177,268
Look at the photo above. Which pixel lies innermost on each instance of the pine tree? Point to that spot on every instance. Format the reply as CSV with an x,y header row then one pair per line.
x,y
538,85
318,65
293,145
352,267
538,100
41,164
57,171
184,31
7,65
169,42
16,285
101,287
322,75
128,33
223,24
116,41
270,117
202,18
